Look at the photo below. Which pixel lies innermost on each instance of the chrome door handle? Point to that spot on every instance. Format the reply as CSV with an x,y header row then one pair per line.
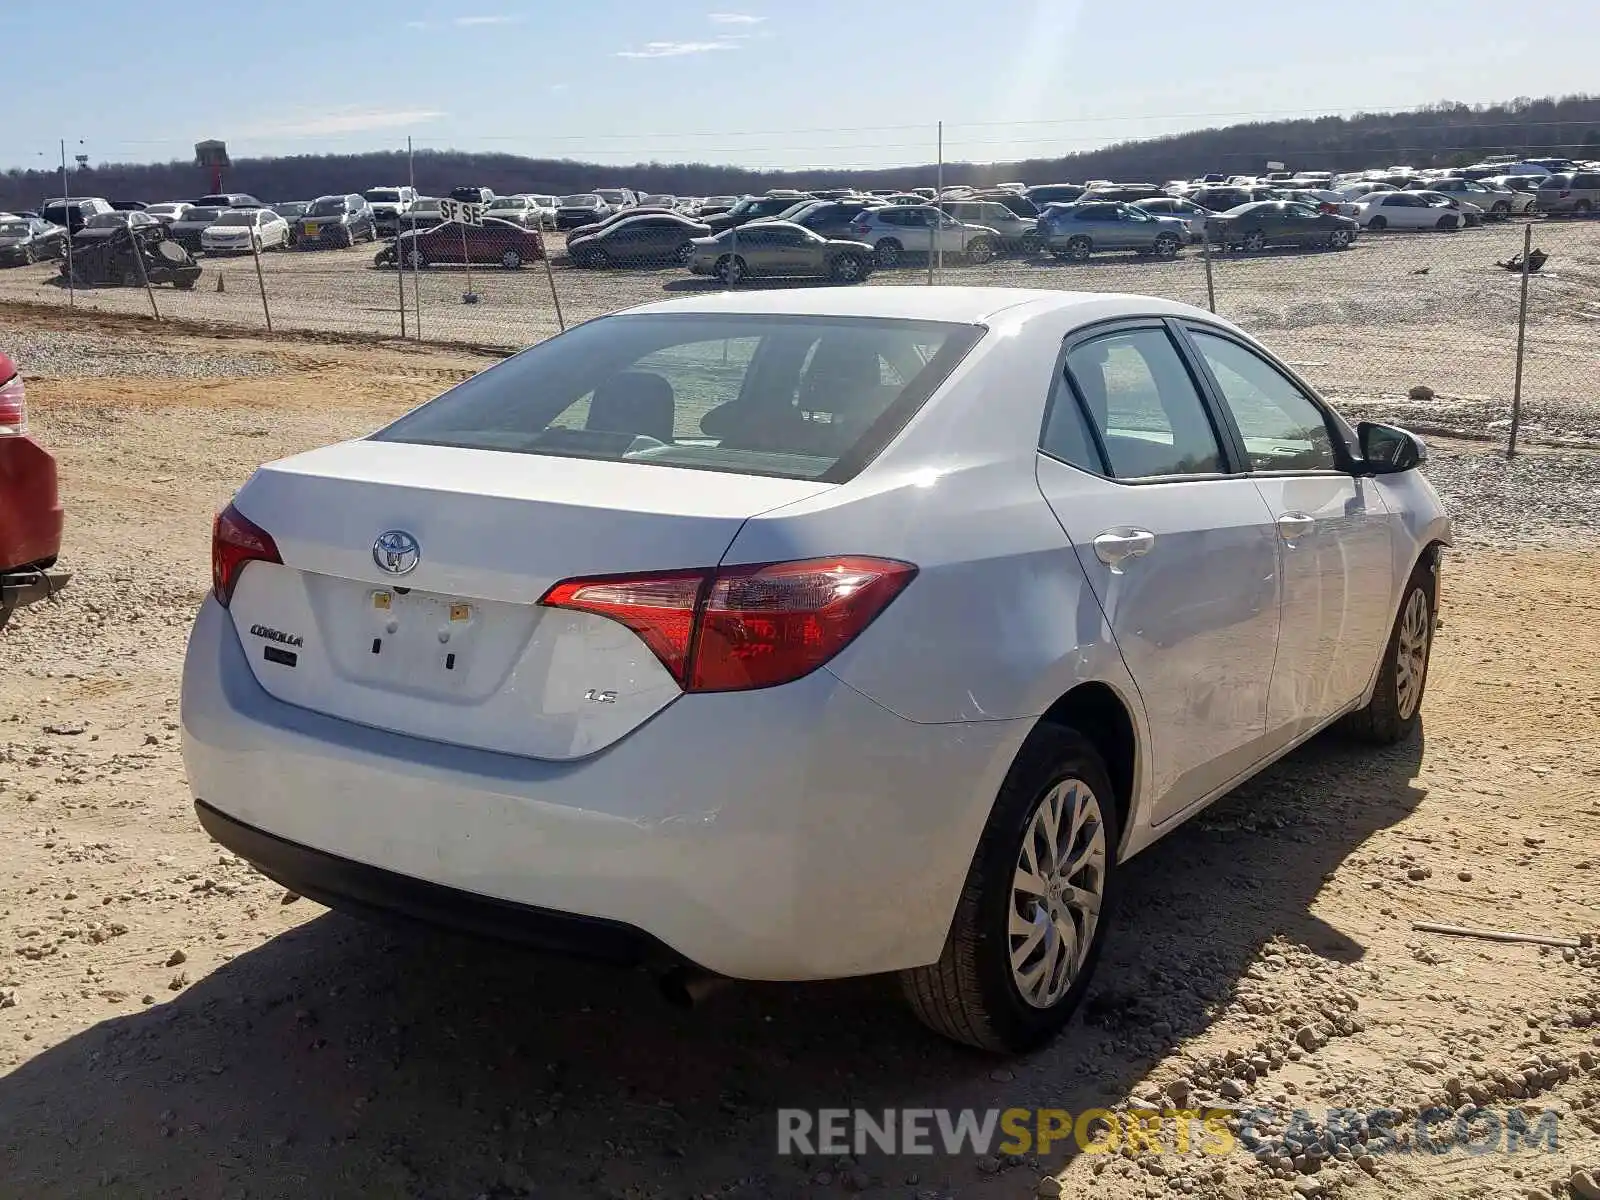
x,y
1112,547
1294,525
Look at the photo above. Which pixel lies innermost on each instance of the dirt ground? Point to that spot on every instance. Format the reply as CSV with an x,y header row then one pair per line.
x,y
174,1025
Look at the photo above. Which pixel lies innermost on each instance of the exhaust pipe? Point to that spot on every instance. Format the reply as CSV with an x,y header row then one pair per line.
x,y
689,987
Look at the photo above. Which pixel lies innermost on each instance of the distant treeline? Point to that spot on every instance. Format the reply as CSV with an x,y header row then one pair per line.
x,y
1446,134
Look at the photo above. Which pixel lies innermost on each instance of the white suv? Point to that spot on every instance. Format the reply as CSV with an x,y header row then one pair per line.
x,y
899,229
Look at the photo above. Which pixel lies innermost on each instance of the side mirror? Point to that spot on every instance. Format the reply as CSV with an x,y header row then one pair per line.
x,y
1388,449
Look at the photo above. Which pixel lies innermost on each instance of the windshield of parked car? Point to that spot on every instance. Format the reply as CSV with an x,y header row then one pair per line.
x,y
236,217
802,397
207,215
290,210
106,220
327,206
612,197
586,200
508,202
383,196
427,204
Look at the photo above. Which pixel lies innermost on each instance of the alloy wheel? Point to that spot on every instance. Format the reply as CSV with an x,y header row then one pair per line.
x,y
1254,240
1411,653
1056,893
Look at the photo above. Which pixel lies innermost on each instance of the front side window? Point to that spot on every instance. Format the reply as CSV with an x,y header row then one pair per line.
x,y
798,397
1282,429
1143,406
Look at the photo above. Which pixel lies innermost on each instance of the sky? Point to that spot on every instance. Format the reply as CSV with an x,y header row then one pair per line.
x,y
837,83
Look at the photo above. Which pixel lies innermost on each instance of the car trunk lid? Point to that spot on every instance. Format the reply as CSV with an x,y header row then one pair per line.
x,y
438,632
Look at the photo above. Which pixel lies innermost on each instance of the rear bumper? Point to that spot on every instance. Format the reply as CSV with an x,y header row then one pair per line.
x,y
30,506
373,892
802,832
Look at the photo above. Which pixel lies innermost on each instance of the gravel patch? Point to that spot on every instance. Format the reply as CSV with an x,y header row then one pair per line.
x,y
1541,496
78,355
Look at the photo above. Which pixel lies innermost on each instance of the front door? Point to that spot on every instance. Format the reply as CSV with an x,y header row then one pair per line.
x,y
1178,547
1333,536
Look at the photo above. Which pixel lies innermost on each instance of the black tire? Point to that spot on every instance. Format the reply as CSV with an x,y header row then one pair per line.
x,y
1079,249
1445,223
1378,223
1582,208
1339,239
1031,244
1501,210
1166,246
1254,241
1385,719
511,261
683,254
732,269
888,252
980,250
849,268
969,995
6,609
29,255
184,285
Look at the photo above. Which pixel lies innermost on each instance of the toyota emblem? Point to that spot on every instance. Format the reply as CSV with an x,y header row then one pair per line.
x,y
396,552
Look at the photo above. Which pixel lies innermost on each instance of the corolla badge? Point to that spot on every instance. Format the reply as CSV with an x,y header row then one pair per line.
x,y
396,552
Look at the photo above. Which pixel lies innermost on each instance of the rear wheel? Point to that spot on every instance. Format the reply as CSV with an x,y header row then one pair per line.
x,y
1166,246
1394,712
1079,249
1032,915
511,261
1031,244
1255,240
980,250
683,254
1445,223
731,269
1339,239
849,268
1378,223
1582,208
1501,209
29,254
888,252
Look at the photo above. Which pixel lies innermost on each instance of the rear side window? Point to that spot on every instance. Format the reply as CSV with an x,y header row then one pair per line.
x,y
1143,406
799,397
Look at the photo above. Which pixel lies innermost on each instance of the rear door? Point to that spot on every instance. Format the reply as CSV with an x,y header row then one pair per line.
x,y
1335,545
1177,545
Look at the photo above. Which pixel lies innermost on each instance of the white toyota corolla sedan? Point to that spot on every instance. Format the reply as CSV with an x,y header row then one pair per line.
x,y
802,634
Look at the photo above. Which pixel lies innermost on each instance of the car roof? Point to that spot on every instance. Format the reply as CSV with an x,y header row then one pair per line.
x,y
963,304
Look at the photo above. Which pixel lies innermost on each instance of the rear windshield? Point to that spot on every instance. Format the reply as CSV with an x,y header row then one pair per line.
x,y
202,214
383,196
794,396
327,206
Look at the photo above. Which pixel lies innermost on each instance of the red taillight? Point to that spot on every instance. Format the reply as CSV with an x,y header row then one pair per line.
x,y
738,628
235,541
13,408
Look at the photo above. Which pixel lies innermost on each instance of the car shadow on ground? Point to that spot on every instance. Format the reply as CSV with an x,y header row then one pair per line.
x,y
342,1060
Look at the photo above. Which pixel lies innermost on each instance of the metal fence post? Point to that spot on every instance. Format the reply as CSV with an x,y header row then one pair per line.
x,y
261,279
1205,252
550,274
400,277
1522,335
144,275
72,285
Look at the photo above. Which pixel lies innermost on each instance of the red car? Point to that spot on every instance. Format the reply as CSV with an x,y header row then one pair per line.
x,y
30,509
494,243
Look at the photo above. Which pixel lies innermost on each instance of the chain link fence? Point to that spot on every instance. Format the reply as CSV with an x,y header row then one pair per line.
x,y
1427,327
